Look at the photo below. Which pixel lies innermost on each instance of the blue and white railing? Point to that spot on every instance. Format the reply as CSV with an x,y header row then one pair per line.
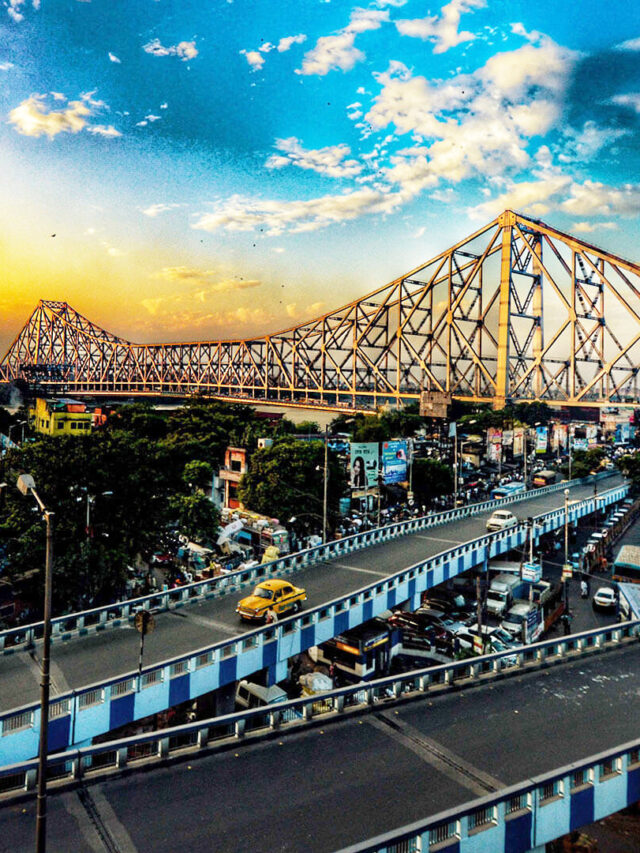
x,y
94,709
91,761
122,613
526,816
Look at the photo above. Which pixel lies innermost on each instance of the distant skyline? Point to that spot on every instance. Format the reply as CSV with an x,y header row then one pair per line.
x,y
188,170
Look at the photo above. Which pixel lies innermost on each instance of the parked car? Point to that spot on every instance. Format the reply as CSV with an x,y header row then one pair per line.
x,y
604,598
501,520
277,595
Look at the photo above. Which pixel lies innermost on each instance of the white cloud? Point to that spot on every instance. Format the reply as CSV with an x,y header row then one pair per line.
x,y
478,123
103,130
184,50
338,51
5,66
31,117
114,58
310,311
593,197
156,209
328,161
534,197
630,44
164,106
518,29
15,8
580,146
254,58
245,214
631,99
287,42
590,227
442,30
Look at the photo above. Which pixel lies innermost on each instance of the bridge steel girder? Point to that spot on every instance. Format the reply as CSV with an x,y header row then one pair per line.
x,y
516,311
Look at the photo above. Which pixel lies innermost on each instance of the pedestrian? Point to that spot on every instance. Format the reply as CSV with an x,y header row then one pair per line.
x,y
584,589
566,624
271,617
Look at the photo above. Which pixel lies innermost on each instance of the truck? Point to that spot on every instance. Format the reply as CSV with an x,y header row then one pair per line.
x,y
503,588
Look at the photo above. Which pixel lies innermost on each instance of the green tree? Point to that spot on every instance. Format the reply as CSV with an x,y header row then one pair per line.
x,y
287,480
197,474
196,517
584,462
124,480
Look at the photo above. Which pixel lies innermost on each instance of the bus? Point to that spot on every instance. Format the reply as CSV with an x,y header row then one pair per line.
x,y
545,478
626,567
507,489
359,654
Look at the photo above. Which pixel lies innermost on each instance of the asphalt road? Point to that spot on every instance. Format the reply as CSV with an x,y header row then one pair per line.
x,y
322,789
96,657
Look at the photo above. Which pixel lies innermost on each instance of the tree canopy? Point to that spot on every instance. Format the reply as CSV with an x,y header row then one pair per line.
x,y
299,493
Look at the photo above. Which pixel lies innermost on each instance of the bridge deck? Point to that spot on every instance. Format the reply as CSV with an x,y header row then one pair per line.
x,y
324,788
99,656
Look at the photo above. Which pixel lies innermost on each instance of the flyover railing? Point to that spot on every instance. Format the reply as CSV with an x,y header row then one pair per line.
x,y
219,732
119,613
93,709
533,812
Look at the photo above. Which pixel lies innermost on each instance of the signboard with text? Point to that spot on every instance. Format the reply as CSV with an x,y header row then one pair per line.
x,y
394,461
363,465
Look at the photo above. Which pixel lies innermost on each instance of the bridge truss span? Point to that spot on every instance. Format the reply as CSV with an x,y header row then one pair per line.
x,y
516,311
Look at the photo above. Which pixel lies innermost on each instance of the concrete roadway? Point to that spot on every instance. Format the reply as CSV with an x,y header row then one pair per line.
x,y
99,656
337,783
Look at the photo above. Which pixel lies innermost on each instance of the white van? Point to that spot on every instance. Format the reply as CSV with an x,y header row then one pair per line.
x,y
250,695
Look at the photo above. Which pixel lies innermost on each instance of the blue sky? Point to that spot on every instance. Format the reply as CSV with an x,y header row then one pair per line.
x,y
225,169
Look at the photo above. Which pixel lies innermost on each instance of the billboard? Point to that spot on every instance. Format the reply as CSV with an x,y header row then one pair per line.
x,y
394,461
494,444
518,441
363,468
542,439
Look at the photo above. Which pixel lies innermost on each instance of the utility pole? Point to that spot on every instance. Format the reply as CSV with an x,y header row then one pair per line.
x,y
326,478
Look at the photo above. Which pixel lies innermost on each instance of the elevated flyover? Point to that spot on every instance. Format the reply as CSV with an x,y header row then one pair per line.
x,y
456,758
199,648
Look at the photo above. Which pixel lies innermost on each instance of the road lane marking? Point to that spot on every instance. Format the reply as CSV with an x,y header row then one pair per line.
x,y
438,756
358,569
436,539
206,622
57,680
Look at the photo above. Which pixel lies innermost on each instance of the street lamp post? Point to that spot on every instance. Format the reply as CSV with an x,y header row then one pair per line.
x,y
566,550
324,492
27,485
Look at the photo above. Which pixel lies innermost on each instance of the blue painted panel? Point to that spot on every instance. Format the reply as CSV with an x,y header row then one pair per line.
x,y
228,670
269,653
517,833
581,808
121,710
445,570
59,733
411,591
179,689
633,786
308,636
391,598
367,611
341,622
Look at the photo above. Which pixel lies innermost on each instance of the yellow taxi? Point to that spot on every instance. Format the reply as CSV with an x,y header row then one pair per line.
x,y
277,595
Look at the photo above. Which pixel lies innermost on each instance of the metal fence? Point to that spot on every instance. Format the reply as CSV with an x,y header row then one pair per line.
x,y
219,731
218,664
121,613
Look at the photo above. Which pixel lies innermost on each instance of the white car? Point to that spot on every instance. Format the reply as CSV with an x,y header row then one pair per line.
x,y
604,599
500,520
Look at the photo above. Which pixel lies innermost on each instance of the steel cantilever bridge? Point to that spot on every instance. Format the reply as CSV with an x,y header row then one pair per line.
x,y
516,311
